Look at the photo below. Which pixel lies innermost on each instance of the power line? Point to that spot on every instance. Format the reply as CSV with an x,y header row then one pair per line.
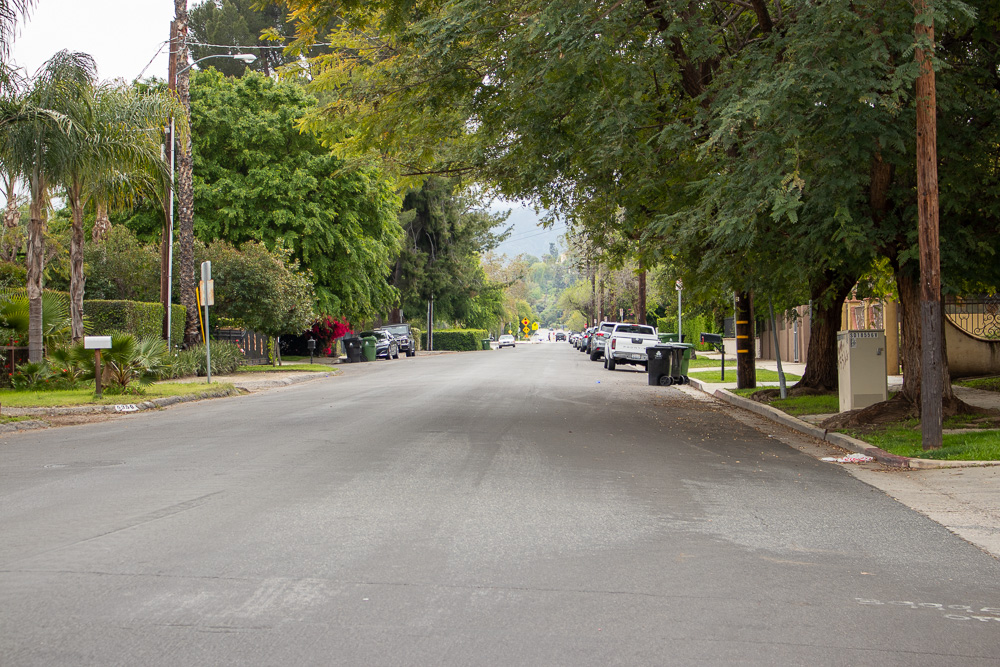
x,y
240,46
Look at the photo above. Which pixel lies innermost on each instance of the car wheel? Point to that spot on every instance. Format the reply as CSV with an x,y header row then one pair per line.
x,y
610,364
595,355
396,356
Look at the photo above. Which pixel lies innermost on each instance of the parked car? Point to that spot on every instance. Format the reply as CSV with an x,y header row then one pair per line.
x,y
385,345
584,344
405,340
627,345
506,340
599,339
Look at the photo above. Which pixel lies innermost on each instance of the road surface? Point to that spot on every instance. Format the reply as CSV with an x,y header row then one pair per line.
x,y
513,507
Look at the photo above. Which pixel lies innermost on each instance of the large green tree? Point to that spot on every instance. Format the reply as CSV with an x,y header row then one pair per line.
x,y
258,177
445,236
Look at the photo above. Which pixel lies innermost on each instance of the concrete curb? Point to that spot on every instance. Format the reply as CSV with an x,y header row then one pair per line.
x,y
838,439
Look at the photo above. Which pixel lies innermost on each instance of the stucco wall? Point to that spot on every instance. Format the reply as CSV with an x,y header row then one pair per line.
x,y
968,356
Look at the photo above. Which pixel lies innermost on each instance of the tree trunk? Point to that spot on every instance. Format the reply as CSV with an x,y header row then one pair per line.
x,y
641,314
910,349
746,352
828,296
396,313
36,265
102,224
76,277
185,185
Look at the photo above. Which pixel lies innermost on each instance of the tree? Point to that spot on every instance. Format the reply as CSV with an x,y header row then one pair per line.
x,y
258,177
235,25
38,145
440,255
10,12
262,289
115,156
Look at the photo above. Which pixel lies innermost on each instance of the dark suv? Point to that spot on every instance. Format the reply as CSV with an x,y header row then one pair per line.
x,y
404,337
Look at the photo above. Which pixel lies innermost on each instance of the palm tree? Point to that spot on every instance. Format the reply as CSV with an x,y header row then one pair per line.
x,y
115,160
10,11
37,144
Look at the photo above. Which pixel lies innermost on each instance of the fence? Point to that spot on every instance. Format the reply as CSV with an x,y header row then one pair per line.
x,y
253,344
12,357
977,316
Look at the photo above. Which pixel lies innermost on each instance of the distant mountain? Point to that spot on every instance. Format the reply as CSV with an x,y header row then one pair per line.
x,y
528,236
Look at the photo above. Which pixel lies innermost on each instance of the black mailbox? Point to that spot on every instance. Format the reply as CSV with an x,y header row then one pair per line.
x,y
711,338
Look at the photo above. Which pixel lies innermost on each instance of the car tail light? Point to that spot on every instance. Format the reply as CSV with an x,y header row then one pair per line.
x,y
613,341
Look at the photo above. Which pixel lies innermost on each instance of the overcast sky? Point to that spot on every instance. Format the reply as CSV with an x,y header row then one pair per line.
x,y
122,35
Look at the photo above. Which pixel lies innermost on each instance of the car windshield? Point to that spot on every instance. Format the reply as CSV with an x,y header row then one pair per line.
x,y
381,335
398,329
634,329
505,337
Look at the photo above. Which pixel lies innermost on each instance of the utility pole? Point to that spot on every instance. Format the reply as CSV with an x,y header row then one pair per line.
x,y
931,378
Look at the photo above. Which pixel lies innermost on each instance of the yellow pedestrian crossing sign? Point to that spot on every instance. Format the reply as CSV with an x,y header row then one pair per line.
x,y
534,326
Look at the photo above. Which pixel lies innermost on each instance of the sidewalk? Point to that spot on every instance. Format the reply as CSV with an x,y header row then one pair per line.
x,y
962,496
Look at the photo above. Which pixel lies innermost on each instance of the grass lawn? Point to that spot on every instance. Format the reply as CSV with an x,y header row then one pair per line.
x,y
988,384
85,396
904,440
799,405
763,375
308,368
711,363
6,419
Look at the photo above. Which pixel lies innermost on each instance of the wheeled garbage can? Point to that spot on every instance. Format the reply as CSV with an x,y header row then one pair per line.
x,y
664,363
368,345
352,349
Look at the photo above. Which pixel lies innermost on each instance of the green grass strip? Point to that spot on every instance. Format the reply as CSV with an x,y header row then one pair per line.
x,y
304,368
904,440
763,375
711,363
85,396
986,384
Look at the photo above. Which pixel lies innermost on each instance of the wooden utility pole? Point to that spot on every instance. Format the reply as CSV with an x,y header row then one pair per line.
x,y
931,379
746,351
641,315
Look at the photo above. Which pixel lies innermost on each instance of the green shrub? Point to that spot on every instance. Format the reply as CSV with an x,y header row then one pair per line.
x,y
693,327
460,340
135,317
183,363
226,358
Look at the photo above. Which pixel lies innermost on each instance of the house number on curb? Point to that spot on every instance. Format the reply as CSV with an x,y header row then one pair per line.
x,y
131,407
954,612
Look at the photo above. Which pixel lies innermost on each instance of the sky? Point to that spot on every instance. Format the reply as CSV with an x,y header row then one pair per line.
x,y
127,38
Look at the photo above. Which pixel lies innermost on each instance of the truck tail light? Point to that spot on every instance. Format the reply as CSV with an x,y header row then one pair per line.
x,y
613,341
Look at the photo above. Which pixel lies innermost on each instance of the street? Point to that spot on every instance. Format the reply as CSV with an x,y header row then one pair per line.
x,y
515,507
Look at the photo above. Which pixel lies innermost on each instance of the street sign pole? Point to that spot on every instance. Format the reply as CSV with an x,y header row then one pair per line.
x,y
206,280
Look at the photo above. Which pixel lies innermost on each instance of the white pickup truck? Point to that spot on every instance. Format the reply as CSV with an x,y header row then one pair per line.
x,y
627,345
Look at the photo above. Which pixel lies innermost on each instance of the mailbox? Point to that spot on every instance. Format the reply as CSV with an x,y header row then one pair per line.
x,y
711,338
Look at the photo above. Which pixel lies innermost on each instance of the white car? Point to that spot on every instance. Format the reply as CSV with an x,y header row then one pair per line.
x,y
506,340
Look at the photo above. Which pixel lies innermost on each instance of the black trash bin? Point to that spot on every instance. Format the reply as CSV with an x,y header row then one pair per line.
x,y
352,348
664,363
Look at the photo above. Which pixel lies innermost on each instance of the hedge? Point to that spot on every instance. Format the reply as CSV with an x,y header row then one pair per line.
x,y
135,317
460,340
693,327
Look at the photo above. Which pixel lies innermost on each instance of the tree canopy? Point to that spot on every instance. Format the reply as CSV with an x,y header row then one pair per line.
x,y
257,177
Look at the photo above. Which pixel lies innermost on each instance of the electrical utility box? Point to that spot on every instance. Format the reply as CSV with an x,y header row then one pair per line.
x,y
861,369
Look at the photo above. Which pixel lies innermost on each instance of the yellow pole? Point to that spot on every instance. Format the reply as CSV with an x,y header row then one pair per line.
x,y
197,298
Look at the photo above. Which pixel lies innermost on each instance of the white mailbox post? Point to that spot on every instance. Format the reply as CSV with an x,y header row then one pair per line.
x,y
97,343
861,370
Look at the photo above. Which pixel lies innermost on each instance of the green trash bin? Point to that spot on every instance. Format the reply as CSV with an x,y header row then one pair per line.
x,y
486,343
686,358
368,348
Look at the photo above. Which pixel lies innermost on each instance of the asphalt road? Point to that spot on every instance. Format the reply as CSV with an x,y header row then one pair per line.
x,y
515,507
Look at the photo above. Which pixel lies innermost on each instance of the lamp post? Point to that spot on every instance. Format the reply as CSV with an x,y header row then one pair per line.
x,y
184,192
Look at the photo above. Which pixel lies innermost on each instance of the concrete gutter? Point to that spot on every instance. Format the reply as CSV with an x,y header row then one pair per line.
x,y
834,438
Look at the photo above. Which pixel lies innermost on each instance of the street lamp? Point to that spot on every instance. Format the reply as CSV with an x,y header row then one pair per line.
x,y
169,259
245,57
